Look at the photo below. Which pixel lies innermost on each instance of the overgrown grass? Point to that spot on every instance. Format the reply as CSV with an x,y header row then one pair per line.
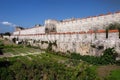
x,y
114,75
52,66
18,49
44,66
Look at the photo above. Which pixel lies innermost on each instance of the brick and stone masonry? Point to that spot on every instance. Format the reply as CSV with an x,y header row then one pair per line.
x,y
85,36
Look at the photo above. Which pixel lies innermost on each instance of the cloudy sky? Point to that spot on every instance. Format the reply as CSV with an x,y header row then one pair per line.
x,y
27,13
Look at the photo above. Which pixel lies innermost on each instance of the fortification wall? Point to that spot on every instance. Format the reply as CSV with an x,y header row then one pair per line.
x,y
85,24
85,43
75,35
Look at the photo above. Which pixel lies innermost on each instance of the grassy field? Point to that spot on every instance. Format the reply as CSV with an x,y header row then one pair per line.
x,y
42,66
114,75
49,66
10,49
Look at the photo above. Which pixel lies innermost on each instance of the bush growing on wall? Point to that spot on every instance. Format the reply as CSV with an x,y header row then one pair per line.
x,y
50,44
42,42
109,56
113,27
55,43
1,47
14,40
49,48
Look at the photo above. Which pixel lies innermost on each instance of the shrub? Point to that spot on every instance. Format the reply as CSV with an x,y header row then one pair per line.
x,y
108,57
118,62
1,45
14,40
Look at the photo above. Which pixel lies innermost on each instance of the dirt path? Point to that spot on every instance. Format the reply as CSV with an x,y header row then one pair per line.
x,y
22,54
104,71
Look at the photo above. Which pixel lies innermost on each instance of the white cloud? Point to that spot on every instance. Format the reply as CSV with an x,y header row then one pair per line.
x,y
8,24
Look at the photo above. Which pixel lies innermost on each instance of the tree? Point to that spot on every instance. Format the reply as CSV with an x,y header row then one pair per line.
x,y
7,33
1,34
109,56
114,26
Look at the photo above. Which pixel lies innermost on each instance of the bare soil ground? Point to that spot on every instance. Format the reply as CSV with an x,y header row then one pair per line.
x,y
104,71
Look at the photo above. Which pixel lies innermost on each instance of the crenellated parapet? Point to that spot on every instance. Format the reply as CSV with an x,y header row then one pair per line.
x,y
76,34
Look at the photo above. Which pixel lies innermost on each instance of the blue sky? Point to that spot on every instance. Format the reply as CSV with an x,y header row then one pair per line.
x,y
27,13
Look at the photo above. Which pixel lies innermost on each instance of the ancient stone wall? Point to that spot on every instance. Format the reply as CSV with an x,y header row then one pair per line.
x,y
86,24
86,36
85,43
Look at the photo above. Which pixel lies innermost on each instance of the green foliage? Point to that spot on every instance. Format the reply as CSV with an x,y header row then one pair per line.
x,y
48,66
14,40
118,62
114,26
1,47
49,48
44,68
35,47
18,49
55,43
108,57
50,44
42,42
7,33
87,58
114,75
